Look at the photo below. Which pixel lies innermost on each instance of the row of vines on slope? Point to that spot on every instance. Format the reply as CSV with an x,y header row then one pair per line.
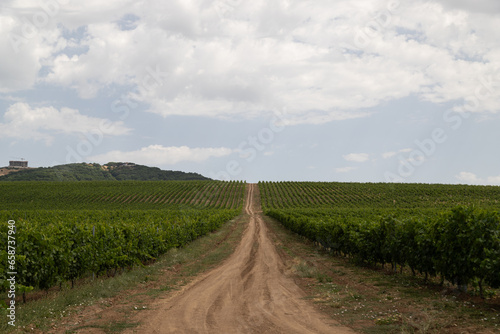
x,y
317,195
55,246
115,195
459,243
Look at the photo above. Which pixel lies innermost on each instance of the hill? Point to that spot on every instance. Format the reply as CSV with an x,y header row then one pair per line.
x,y
117,171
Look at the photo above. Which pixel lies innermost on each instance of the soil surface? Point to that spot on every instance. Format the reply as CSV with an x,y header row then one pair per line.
x,y
253,291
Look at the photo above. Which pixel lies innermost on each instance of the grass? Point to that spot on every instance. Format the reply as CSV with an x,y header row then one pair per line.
x,y
139,285
373,300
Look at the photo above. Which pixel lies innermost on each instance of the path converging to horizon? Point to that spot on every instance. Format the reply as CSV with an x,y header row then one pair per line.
x,y
250,292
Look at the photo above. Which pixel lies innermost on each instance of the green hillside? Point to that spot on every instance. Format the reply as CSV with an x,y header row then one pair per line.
x,y
95,172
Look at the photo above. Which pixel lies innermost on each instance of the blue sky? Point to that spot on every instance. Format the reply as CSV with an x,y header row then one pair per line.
x,y
346,90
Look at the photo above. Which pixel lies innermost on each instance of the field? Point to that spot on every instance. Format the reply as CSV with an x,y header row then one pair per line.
x,y
95,195
437,230
66,231
70,234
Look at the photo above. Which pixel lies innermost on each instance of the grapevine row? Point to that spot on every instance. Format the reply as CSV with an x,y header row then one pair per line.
x,y
58,246
115,195
433,237
67,230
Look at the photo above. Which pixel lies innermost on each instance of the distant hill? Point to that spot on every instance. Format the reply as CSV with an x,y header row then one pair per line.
x,y
118,171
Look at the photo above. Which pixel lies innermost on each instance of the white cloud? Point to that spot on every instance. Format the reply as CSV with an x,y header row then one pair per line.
x,y
469,177
387,155
345,169
23,55
357,157
155,155
494,179
415,160
485,6
245,59
22,121
472,178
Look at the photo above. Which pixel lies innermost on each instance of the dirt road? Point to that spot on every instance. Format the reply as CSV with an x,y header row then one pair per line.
x,y
249,293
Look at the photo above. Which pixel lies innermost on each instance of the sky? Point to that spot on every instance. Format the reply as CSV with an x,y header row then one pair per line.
x,y
274,90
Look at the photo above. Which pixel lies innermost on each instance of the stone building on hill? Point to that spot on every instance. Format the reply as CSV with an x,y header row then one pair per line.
x,y
18,164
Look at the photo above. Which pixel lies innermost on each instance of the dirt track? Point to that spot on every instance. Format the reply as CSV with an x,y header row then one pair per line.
x,y
249,293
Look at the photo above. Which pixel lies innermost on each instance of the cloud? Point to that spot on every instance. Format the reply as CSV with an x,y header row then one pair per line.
x,y
472,178
469,178
25,122
494,179
345,169
155,155
483,6
416,158
248,58
23,57
387,155
357,157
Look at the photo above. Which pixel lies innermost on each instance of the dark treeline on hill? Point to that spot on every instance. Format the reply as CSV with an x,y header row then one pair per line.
x,y
116,171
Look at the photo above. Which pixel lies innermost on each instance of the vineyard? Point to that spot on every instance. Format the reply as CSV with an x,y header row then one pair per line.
x,y
450,231
66,231
106,195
